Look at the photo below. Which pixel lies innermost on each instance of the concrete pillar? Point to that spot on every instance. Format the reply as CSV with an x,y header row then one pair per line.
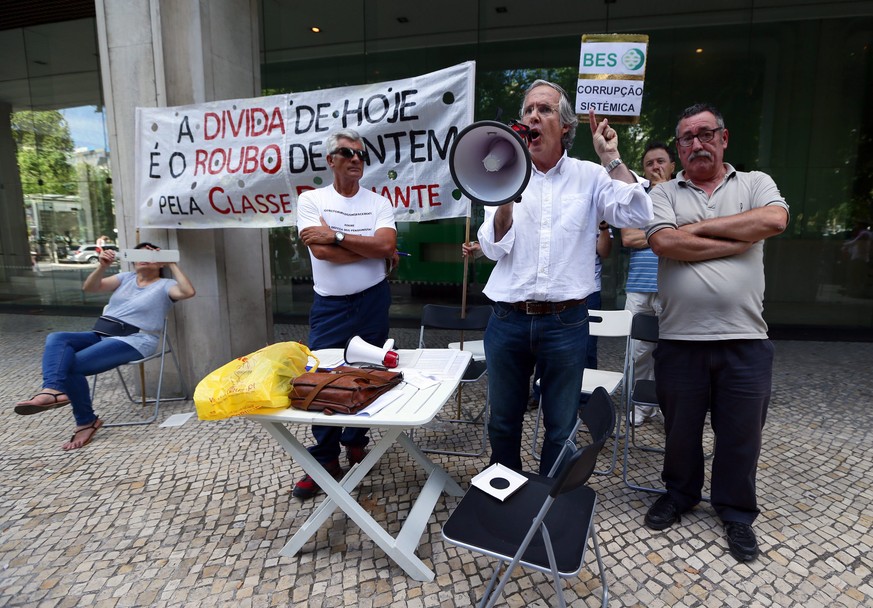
x,y
14,247
174,52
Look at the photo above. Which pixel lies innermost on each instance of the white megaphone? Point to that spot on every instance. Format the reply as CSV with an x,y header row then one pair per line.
x,y
490,163
359,350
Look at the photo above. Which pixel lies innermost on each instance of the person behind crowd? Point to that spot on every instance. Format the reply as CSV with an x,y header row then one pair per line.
x,y
544,249
713,354
602,249
129,329
472,250
642,276
350,233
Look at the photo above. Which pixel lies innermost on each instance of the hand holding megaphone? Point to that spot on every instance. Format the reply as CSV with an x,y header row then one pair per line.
x,y
490,163
359,351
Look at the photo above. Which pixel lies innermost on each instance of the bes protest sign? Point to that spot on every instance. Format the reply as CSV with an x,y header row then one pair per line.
x,y
243,163
612,70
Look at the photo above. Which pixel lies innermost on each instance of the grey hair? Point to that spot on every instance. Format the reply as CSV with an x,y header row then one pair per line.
x,y
699,108
333,139
565,110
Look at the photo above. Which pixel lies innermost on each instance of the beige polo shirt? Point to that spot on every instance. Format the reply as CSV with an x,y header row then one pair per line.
x,y
721,299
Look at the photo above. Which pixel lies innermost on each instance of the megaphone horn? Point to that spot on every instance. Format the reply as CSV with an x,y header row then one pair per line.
x,y
359,350
490,163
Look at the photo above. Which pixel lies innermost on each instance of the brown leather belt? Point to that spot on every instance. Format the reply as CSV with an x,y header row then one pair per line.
x,y
546,308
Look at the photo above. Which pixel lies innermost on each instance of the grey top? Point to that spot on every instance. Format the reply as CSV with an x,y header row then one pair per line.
x,y
721,299
144,307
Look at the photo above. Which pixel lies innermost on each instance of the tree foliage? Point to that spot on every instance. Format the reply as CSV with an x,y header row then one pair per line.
x,y
44,147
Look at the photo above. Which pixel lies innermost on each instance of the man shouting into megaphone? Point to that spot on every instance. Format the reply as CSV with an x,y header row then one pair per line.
x,y
545,249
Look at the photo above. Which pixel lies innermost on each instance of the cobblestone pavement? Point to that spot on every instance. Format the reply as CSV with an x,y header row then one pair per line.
x,y
196,515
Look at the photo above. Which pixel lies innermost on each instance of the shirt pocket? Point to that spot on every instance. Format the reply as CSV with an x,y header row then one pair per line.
x,y
575,211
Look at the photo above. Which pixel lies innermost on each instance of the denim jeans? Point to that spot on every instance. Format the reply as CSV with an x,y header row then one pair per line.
x,y
594,303
71,356
730,379
514,344
333,320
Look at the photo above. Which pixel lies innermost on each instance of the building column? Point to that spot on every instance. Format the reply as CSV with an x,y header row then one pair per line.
x,y
14,246
185,52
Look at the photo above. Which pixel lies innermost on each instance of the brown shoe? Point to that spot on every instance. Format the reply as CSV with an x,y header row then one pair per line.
x,y
26,408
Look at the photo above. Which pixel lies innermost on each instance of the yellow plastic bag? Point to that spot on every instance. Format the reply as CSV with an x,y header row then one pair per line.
x,y
261,379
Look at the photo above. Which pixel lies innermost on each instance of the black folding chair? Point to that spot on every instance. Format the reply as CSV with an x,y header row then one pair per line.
x,y
434,317
560,508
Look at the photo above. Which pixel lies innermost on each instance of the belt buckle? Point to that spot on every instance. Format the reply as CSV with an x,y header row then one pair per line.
x,y
531,308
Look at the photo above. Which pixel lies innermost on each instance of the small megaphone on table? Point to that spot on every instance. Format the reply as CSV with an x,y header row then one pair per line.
x,y
359,351
490,163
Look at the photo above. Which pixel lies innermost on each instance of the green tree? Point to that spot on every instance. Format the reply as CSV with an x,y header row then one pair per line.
x,y
44,147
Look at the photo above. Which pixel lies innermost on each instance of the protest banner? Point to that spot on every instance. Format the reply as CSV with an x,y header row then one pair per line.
x,y
243,162
612,71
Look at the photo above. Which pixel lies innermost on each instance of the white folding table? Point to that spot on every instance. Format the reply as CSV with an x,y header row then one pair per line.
x,y
412,406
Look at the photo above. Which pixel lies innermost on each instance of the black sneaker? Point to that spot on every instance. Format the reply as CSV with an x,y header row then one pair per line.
x,y
663,514
741,541
307,488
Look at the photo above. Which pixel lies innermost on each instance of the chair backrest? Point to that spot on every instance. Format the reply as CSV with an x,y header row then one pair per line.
x,y
436,316
609,323
644,327
578,469
598,415
449,317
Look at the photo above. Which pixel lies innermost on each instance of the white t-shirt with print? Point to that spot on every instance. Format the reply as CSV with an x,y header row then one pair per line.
x,y
362,214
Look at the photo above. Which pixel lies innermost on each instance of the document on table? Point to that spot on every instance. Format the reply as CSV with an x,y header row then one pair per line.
x,y
440,363
391,402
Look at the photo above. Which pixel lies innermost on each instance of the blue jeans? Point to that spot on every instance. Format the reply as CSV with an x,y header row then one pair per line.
x,y
71,356
514,344
594,303
730,379
333,321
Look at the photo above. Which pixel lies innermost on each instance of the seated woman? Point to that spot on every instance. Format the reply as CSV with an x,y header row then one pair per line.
x,y
140,300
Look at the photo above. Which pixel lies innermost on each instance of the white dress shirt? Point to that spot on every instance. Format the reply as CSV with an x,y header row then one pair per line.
x,y
548,253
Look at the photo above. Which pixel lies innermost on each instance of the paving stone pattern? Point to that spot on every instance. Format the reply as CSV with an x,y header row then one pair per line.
x,y
196,515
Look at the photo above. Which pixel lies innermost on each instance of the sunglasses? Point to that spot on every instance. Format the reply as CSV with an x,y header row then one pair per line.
x,y
351,153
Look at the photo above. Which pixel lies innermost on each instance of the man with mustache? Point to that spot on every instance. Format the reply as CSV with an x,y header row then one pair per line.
x,y
544,247
713,354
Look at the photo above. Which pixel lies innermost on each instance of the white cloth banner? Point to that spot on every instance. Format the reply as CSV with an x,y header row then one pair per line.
x,y
243,162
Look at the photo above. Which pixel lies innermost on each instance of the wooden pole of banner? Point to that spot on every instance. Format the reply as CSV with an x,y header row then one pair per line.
x,y
464,301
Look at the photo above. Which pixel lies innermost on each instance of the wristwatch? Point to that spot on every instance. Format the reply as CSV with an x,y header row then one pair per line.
x,y
613,164
338,238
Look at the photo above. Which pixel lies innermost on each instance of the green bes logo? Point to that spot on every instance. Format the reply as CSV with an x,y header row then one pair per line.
x,y
633,59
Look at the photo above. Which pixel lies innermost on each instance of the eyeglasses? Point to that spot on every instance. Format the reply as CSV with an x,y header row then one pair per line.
x,y
351,153
703,136
543,109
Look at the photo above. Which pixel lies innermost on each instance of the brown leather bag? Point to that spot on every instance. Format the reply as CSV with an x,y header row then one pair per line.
x,y
342,390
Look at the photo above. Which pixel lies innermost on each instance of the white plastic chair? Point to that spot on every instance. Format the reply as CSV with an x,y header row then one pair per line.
x,y
606,324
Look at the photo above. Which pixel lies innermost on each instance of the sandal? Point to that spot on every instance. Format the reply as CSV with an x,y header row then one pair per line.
x,y
26,408
93,427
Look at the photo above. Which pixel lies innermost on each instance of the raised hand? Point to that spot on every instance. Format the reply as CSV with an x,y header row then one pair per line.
x,y
604,138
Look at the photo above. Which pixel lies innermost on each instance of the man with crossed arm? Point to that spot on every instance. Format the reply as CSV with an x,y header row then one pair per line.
x,y
713,354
